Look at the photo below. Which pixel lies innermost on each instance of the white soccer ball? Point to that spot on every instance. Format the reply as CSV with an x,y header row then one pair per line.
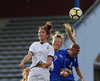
x,y
75,13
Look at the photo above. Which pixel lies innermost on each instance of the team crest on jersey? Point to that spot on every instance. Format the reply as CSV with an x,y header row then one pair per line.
x,y
60,55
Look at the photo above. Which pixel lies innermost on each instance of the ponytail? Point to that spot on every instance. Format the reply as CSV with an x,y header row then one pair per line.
x,y
71,36
69,32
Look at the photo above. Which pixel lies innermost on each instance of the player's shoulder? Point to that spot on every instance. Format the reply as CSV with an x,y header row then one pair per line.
x,y
35,43
51,46
62,53
64,50
48,44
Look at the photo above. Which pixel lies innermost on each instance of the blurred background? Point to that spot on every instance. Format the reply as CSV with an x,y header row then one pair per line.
x,y
19,22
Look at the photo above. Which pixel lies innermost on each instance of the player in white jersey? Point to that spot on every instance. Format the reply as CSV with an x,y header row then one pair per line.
x,y
42,54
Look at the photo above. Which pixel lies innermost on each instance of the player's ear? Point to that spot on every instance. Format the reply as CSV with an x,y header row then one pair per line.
x,y
48,35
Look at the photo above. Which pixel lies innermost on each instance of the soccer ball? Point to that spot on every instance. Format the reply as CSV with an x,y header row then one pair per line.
x,y
75,13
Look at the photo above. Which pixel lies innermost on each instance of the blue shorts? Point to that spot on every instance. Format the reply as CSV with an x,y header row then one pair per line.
x,y
54,79
63,79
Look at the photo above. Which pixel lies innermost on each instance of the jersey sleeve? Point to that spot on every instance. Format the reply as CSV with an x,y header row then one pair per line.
x,y
32,48
51,51
76,63
64,62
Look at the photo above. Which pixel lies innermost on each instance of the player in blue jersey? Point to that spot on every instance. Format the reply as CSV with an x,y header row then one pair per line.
x,y
71,56
71,61
59,59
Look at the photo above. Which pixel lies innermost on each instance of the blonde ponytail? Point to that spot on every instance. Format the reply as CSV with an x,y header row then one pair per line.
x,y
71,35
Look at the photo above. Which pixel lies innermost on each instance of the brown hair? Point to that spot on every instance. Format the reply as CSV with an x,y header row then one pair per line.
x,y
71,36
75,47
58,35
48,27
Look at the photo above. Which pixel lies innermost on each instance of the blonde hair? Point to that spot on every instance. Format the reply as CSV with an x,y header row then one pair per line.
x,y
24,75
71,36
69,32
58,35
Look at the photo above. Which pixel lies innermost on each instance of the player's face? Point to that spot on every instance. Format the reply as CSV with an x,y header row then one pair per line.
x,y
42,34
56,43
73,53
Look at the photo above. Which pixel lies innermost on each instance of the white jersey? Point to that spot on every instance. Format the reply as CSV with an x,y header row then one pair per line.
x,y
40,52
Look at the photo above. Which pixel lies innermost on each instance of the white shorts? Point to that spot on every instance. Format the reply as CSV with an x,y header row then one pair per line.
x,y
39,74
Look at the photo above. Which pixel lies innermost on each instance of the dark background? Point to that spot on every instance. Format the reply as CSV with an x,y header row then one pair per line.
x,y
23,8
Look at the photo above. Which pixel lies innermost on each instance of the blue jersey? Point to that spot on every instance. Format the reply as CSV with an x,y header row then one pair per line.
x,y
59,61
70,62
